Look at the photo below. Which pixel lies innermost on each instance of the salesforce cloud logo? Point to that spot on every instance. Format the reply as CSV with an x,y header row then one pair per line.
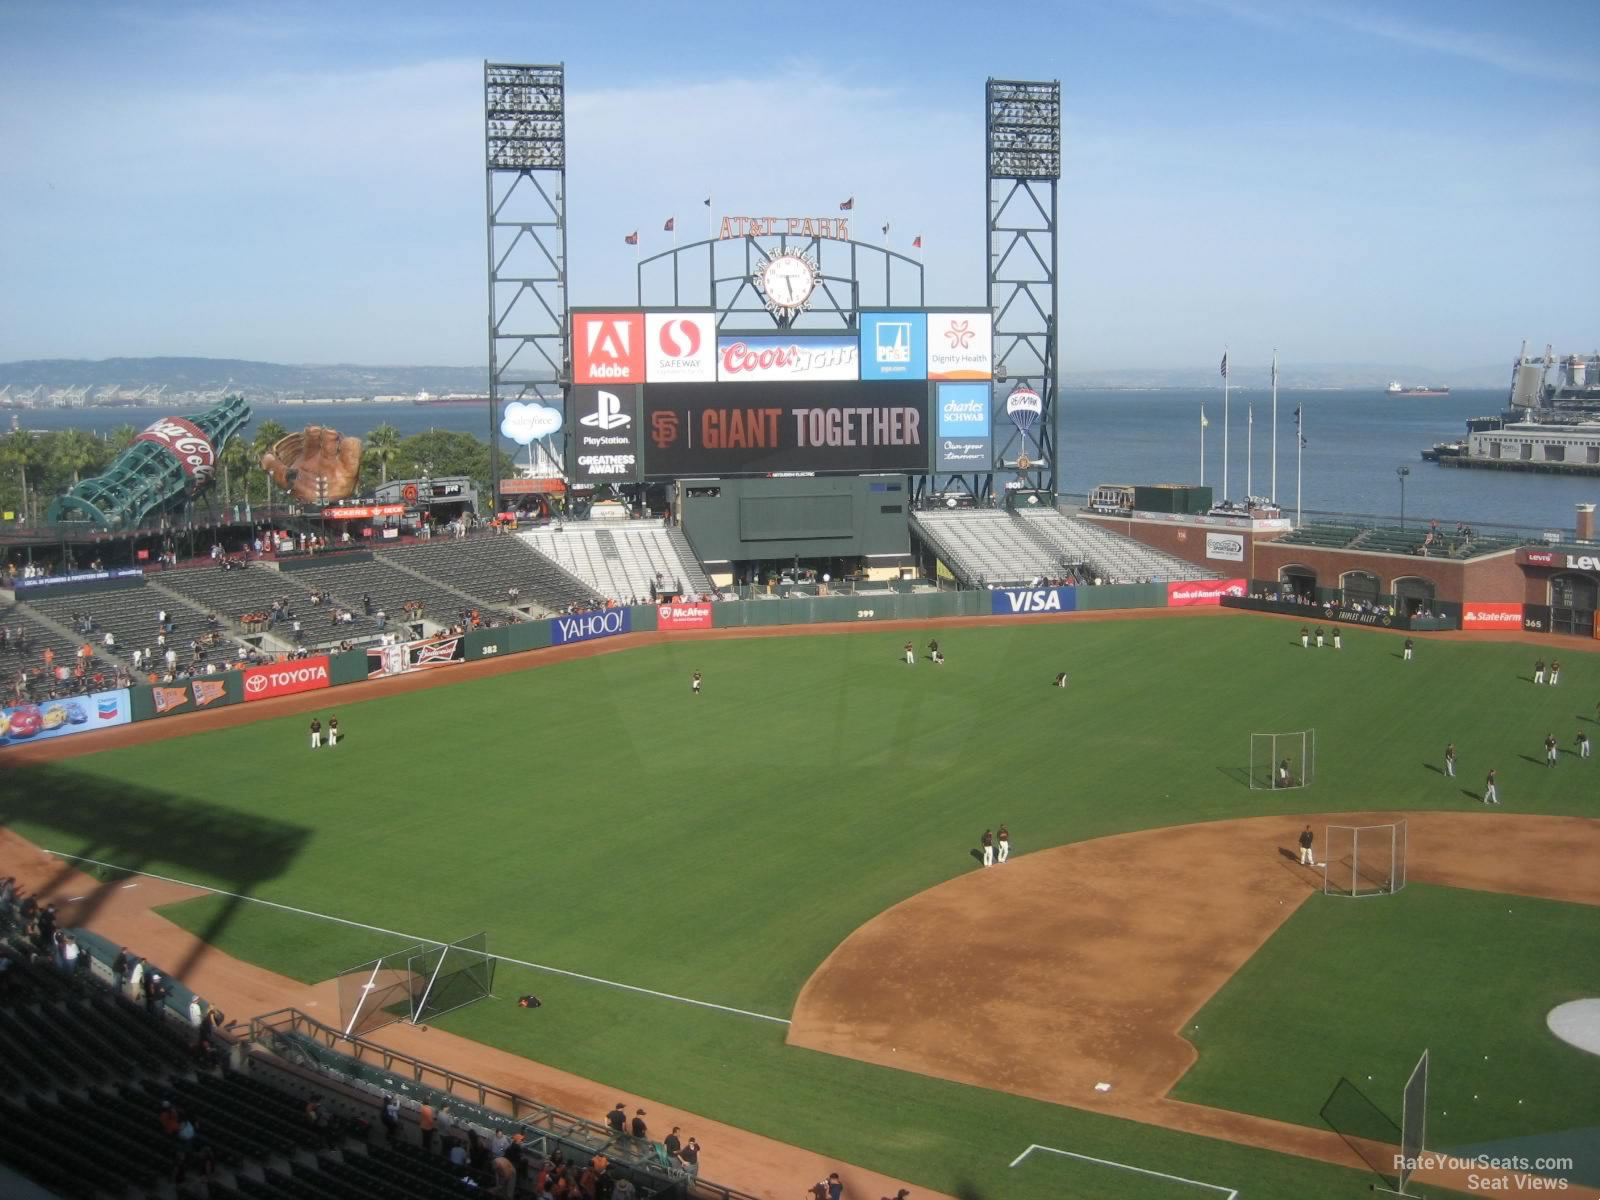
x,y
524,423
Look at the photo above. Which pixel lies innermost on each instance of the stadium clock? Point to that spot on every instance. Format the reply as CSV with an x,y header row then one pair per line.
x,y
787,281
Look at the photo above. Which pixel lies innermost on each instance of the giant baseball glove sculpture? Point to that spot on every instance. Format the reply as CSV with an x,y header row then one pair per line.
x,y
298,461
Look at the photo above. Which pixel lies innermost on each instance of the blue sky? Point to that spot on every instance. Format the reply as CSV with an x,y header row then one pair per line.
x,y
1408,182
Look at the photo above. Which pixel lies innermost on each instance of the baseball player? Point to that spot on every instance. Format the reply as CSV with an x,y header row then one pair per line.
x,y
1305,638
1583,744
1338,641
316,733
1450,760
333,731
1408,648
1061,679
1307,859
694,683
1490,794
911,655
1284,778
1555,672
988,848
1319,637
935,653
1538,671
1550,750
1004,838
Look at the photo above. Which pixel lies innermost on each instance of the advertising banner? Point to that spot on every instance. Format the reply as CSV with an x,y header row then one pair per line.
x,y
605,434
683,616
49,581
414,656
1491,616
1031,601
758,429
361,512
58,718
1536,558
1226,546
680,347
960,345
790,359
894,345
1536,618
190,696
1190,593
286,678
608,348
964,432
585,627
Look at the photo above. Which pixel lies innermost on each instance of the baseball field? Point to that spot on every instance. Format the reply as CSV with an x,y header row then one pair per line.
x,y
783,873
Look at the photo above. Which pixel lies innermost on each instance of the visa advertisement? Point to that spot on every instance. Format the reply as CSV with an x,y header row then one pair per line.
x,y
894,345
964,442
1018,602
58,718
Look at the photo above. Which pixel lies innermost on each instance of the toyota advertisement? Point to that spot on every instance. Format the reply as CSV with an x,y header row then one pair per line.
x,y
586,627
286,678
1491,616
964,436
1190,593
57,718
683,616
605,434
758,429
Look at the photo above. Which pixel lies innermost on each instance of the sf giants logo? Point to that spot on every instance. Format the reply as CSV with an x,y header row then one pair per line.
x,y
608,348
664,429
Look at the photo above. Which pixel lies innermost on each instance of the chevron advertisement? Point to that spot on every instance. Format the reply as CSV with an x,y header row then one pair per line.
x,y
58,718
1023,602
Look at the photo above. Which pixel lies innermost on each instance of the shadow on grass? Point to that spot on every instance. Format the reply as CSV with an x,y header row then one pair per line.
x,y
1472,795
967,1190
1364,1127
1434,769
134,829
1538,762
1237,774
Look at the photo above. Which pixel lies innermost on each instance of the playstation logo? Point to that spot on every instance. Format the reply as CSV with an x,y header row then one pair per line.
x,y
608,413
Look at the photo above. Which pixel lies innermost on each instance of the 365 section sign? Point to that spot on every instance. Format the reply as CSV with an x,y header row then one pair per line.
x,y
286,678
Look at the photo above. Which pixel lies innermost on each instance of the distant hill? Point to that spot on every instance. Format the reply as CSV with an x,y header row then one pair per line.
x,y
293,380
210,374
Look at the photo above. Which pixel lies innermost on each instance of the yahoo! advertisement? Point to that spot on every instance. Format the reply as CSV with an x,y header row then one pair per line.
x,y
585,627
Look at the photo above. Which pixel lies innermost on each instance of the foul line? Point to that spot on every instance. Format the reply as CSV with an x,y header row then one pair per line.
x,y
1227,1192
412,937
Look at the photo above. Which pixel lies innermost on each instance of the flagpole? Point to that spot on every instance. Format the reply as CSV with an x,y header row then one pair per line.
x,y
1274,426
1299,453
1249,450
1202,445
711,221
1225,424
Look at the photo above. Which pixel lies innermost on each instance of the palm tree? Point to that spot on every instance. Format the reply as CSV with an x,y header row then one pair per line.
x,y
19,451
73,450
235,456
120,438
267,435
383,448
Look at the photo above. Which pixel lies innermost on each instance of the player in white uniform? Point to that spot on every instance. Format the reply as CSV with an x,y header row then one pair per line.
x,y
694,683
316,733
1004,838
911,655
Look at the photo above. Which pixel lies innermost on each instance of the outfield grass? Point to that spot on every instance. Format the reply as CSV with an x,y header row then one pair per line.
x,y
593,816
1358,989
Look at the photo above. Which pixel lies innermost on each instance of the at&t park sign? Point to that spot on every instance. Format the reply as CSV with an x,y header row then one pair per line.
x,y
836,228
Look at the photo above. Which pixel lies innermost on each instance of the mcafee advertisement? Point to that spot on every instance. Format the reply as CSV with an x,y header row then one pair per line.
x,y
1491,616
1193,592
286,678
683,616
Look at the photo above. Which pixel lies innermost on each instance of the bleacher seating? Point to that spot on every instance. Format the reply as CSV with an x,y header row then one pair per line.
x,y
389,587
232,594
1112,557
40,637
1392,540
621,560
986,546
487,567
128,613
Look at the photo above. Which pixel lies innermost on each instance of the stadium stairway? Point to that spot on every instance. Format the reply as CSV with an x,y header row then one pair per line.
x,y
43,632
486,567
985,546
1112,556
620,559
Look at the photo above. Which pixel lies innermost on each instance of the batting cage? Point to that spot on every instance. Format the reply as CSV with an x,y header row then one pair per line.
x,y
1364,860
415,984
1283,760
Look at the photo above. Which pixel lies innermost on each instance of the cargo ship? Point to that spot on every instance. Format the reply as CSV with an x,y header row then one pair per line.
x,y
1550,425
1397,389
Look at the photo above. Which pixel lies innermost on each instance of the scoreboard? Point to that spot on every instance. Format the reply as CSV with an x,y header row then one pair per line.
x,y
662,395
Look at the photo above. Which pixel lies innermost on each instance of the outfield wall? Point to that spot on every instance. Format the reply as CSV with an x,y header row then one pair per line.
x,y
147,702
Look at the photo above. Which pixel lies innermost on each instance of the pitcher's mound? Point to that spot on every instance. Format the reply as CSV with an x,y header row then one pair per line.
x,y
1577,1023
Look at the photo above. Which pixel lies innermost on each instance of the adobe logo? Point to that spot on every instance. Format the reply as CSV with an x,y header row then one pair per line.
x,y
608,347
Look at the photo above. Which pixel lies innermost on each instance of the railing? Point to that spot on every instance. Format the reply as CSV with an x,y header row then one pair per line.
x,y
298,1038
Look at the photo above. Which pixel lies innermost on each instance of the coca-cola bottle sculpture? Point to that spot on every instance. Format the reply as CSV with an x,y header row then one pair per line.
x,y
166,467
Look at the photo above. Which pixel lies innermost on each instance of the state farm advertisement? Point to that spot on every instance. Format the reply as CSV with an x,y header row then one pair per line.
x,y
680,347
705,429
286,678
607,347
1491,616
683,616
791,359
1194,592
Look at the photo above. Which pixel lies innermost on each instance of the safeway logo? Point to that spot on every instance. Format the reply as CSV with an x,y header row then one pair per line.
x,y
608,413
1020,601
285,679
679,348
608,348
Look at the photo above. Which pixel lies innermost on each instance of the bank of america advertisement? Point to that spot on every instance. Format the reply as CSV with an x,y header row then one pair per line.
x,y
964,438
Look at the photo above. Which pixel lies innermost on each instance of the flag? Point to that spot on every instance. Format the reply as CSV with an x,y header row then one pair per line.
x,y
633,238
1204,424
670,225
886,231
1224,364
916,242
706,202
847,205
1297,414
1274,369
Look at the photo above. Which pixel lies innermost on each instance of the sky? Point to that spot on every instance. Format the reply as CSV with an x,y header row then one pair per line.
x,y
1411,182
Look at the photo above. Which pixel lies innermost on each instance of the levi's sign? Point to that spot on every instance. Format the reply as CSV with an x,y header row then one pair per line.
x,y
1583,562
286,678
584,627
1027,601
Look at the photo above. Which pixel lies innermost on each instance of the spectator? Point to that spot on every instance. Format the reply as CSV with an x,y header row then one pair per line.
x,y
425,1122
617,1118
638,1127
391,1119
690,1154
505,1177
